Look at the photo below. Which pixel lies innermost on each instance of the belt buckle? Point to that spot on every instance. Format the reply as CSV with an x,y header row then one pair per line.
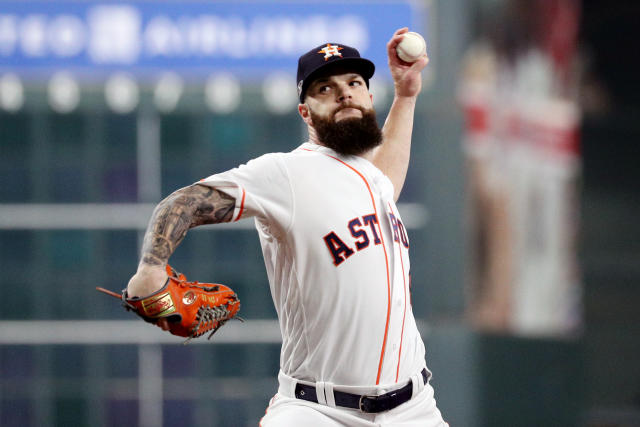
x,y
361,404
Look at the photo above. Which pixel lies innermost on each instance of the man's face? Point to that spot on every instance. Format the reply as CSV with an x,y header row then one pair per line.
x,y
340,110
335,96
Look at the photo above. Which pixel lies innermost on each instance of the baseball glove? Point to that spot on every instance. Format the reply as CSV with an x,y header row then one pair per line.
x,y
191,308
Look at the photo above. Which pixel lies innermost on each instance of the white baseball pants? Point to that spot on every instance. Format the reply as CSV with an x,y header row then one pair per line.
x,y
419,411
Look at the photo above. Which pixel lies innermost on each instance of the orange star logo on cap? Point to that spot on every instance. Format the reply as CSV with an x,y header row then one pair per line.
x,y
331,50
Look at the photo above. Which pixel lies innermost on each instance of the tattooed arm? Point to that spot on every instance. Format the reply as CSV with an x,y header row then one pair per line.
x,y
172,218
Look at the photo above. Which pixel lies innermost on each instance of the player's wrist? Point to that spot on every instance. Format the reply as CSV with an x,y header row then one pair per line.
x,y
145,268
405,101
404,96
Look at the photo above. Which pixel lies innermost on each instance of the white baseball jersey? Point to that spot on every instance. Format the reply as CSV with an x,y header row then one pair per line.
x,y
337,257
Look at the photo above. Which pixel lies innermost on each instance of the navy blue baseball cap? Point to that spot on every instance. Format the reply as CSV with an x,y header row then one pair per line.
x,y
327,55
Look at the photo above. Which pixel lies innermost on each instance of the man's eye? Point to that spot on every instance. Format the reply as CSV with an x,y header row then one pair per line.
x,y
356,83
324,89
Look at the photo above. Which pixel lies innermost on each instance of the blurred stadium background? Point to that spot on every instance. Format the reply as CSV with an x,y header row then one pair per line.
x,y
107,107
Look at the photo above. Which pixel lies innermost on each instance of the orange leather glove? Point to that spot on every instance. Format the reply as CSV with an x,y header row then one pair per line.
x,y
192,309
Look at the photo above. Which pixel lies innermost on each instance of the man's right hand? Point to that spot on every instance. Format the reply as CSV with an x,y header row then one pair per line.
x,y
147,280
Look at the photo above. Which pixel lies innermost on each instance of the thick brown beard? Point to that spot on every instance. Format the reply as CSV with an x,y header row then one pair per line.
x,y
351,136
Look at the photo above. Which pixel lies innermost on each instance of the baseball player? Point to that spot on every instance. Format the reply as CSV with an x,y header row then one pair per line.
x,y
335,248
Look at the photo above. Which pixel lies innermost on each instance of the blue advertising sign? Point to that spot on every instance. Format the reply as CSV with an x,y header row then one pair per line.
x,y
196,38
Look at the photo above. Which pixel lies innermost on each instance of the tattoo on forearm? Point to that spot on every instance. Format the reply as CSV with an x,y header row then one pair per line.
x,y
175,215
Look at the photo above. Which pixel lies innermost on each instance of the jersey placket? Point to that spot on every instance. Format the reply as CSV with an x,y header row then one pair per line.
x,y
392,334
391,363
400,284
387,243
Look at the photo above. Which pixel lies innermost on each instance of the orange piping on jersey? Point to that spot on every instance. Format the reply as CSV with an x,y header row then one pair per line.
x,y
241,205
386,260
404,282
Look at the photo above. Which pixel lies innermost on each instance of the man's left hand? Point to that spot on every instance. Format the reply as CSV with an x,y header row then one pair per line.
x,y
407,77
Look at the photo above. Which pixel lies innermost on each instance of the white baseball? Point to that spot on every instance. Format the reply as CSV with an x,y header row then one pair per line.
x,y
411,47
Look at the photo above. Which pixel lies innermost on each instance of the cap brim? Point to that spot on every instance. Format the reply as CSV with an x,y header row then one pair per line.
x,y
362,66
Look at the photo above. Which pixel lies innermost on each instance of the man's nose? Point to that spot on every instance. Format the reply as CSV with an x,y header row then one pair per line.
x,y
344,93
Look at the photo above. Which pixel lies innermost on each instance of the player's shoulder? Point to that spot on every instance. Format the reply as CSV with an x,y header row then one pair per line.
x,y
284,160
278,157
266,160
268,166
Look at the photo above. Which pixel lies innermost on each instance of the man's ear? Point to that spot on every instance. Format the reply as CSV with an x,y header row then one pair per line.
x,y
303,110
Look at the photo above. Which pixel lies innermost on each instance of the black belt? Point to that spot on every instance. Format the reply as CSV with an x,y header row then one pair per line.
x,y
370,404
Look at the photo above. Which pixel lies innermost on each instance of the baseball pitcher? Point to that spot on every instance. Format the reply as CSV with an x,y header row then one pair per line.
x,y
335,248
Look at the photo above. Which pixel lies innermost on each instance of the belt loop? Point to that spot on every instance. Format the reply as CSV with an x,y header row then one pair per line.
x,y
320,393
331,400
418,384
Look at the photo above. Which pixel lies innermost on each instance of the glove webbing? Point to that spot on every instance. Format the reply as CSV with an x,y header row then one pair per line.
x,y
208,315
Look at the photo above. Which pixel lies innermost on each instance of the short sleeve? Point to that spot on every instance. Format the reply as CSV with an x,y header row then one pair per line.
x,y
261,189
